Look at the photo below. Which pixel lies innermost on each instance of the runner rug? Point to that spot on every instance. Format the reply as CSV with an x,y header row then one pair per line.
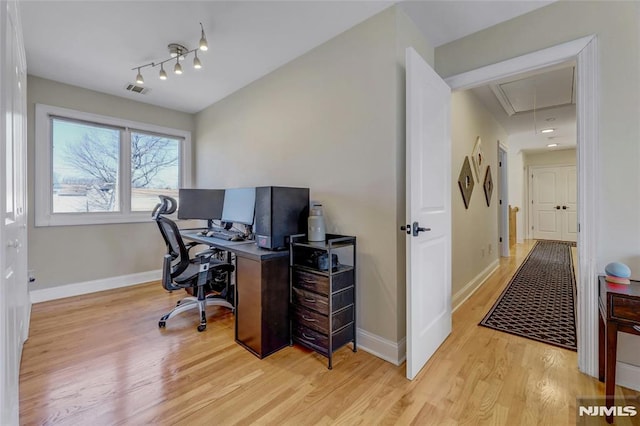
x,y
538,303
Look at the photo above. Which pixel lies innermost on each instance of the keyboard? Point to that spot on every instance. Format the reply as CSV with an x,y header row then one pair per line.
x,y
224,234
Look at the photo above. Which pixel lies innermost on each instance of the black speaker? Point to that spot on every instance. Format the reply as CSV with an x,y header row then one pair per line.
x,y
280,212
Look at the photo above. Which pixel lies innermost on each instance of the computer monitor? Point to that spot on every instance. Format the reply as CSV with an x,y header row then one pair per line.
x,y
239,205
200,203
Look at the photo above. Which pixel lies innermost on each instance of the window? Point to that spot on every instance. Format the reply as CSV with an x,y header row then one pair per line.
x,y
94,169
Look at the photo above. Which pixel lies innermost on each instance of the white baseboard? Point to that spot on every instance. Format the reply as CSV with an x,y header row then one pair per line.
x,y
628,375
76,289
390,351
462,295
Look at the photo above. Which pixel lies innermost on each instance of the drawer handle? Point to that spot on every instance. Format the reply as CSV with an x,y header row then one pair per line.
x,y
306,318
636,327
309,300
308,337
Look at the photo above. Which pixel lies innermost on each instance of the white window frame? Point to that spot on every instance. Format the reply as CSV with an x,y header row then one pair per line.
x,y
44,215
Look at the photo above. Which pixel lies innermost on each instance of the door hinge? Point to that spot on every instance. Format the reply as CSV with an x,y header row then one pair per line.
x,y
500,164
500,202
500,239
578,227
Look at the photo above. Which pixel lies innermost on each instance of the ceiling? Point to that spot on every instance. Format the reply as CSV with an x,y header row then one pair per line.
x,y
95,44
529,103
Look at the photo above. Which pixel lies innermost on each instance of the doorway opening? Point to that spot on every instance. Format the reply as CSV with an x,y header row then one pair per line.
x,y
583,53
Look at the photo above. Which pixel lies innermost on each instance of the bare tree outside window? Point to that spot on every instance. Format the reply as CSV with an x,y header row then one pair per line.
x,y
86,168
154,169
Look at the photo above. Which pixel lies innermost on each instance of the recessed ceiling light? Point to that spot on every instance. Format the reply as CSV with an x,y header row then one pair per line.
x,y
552,145
547,130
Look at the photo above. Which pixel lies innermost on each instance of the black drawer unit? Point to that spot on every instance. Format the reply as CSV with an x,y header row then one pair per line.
x,y
323,293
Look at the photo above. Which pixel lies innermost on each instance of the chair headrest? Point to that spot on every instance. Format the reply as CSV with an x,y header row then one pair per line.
x,y
167,205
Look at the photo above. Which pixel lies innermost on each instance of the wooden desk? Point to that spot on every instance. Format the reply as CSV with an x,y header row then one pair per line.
x,y
262,294
619,311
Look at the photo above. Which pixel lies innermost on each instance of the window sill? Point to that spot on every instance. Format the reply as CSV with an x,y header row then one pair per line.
x,y
75,219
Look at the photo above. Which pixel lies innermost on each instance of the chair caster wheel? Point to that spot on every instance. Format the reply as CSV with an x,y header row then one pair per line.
x,y
162,324
202,327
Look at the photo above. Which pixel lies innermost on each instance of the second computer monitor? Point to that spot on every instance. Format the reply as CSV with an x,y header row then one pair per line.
x,y
239,205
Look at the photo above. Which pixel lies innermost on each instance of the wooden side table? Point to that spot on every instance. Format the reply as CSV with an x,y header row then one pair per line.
x,y
619,311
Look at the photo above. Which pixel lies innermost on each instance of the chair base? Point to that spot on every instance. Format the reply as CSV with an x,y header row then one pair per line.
x,y
192,302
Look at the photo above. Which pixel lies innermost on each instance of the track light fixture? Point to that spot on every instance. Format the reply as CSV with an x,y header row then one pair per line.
x,y
177,52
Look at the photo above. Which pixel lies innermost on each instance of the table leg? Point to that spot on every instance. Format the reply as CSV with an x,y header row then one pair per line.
x,y
610,374
601,348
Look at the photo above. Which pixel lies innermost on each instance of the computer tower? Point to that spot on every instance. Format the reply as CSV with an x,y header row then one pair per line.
x,y
280,212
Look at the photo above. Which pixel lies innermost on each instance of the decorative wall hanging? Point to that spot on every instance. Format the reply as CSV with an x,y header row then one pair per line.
x,y
488,186
477,157
465,182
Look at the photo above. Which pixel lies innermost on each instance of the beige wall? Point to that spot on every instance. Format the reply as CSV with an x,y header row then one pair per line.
x,y
62,255
562,157
475,230
328,121
616,26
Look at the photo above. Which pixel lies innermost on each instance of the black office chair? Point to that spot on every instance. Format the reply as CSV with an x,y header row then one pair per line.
x,y
201,274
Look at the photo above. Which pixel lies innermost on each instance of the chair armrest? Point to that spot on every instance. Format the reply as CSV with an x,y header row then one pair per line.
x,y
191,245
166,274
205,254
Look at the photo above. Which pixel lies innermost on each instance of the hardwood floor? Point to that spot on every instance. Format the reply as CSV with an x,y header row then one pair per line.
x,y
101,359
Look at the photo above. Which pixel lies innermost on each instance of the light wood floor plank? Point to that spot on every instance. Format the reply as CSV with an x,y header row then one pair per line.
x,y
100,359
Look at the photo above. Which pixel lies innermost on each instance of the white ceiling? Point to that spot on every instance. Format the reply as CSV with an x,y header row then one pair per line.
x,y
94,44
554,88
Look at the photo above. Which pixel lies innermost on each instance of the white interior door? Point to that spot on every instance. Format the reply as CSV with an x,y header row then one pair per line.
x,y
554,203
428,226
545,202
14,296
503,199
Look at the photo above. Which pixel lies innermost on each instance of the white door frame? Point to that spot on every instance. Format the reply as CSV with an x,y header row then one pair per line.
x,y
503,197
584,51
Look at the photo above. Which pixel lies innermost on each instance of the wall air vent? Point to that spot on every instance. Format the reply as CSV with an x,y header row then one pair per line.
x,y
136,89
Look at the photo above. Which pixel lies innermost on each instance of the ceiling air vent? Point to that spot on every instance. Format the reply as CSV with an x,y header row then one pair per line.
x,y
136,89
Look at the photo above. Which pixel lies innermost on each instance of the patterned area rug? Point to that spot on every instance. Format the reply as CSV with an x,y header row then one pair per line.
x,y
538,303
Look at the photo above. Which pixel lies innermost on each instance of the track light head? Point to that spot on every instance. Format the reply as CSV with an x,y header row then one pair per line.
x,y
139,78
177,68
196,62
204,46
163,73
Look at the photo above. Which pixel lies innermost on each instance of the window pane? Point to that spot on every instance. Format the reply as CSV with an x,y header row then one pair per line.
x,y
155,169
85,167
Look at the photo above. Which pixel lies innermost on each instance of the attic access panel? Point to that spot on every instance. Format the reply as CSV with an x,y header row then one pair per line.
x,y
550,89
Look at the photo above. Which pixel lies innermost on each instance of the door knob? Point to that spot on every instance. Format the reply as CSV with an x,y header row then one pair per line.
x,y
406,228
564,207
417,228
557,207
